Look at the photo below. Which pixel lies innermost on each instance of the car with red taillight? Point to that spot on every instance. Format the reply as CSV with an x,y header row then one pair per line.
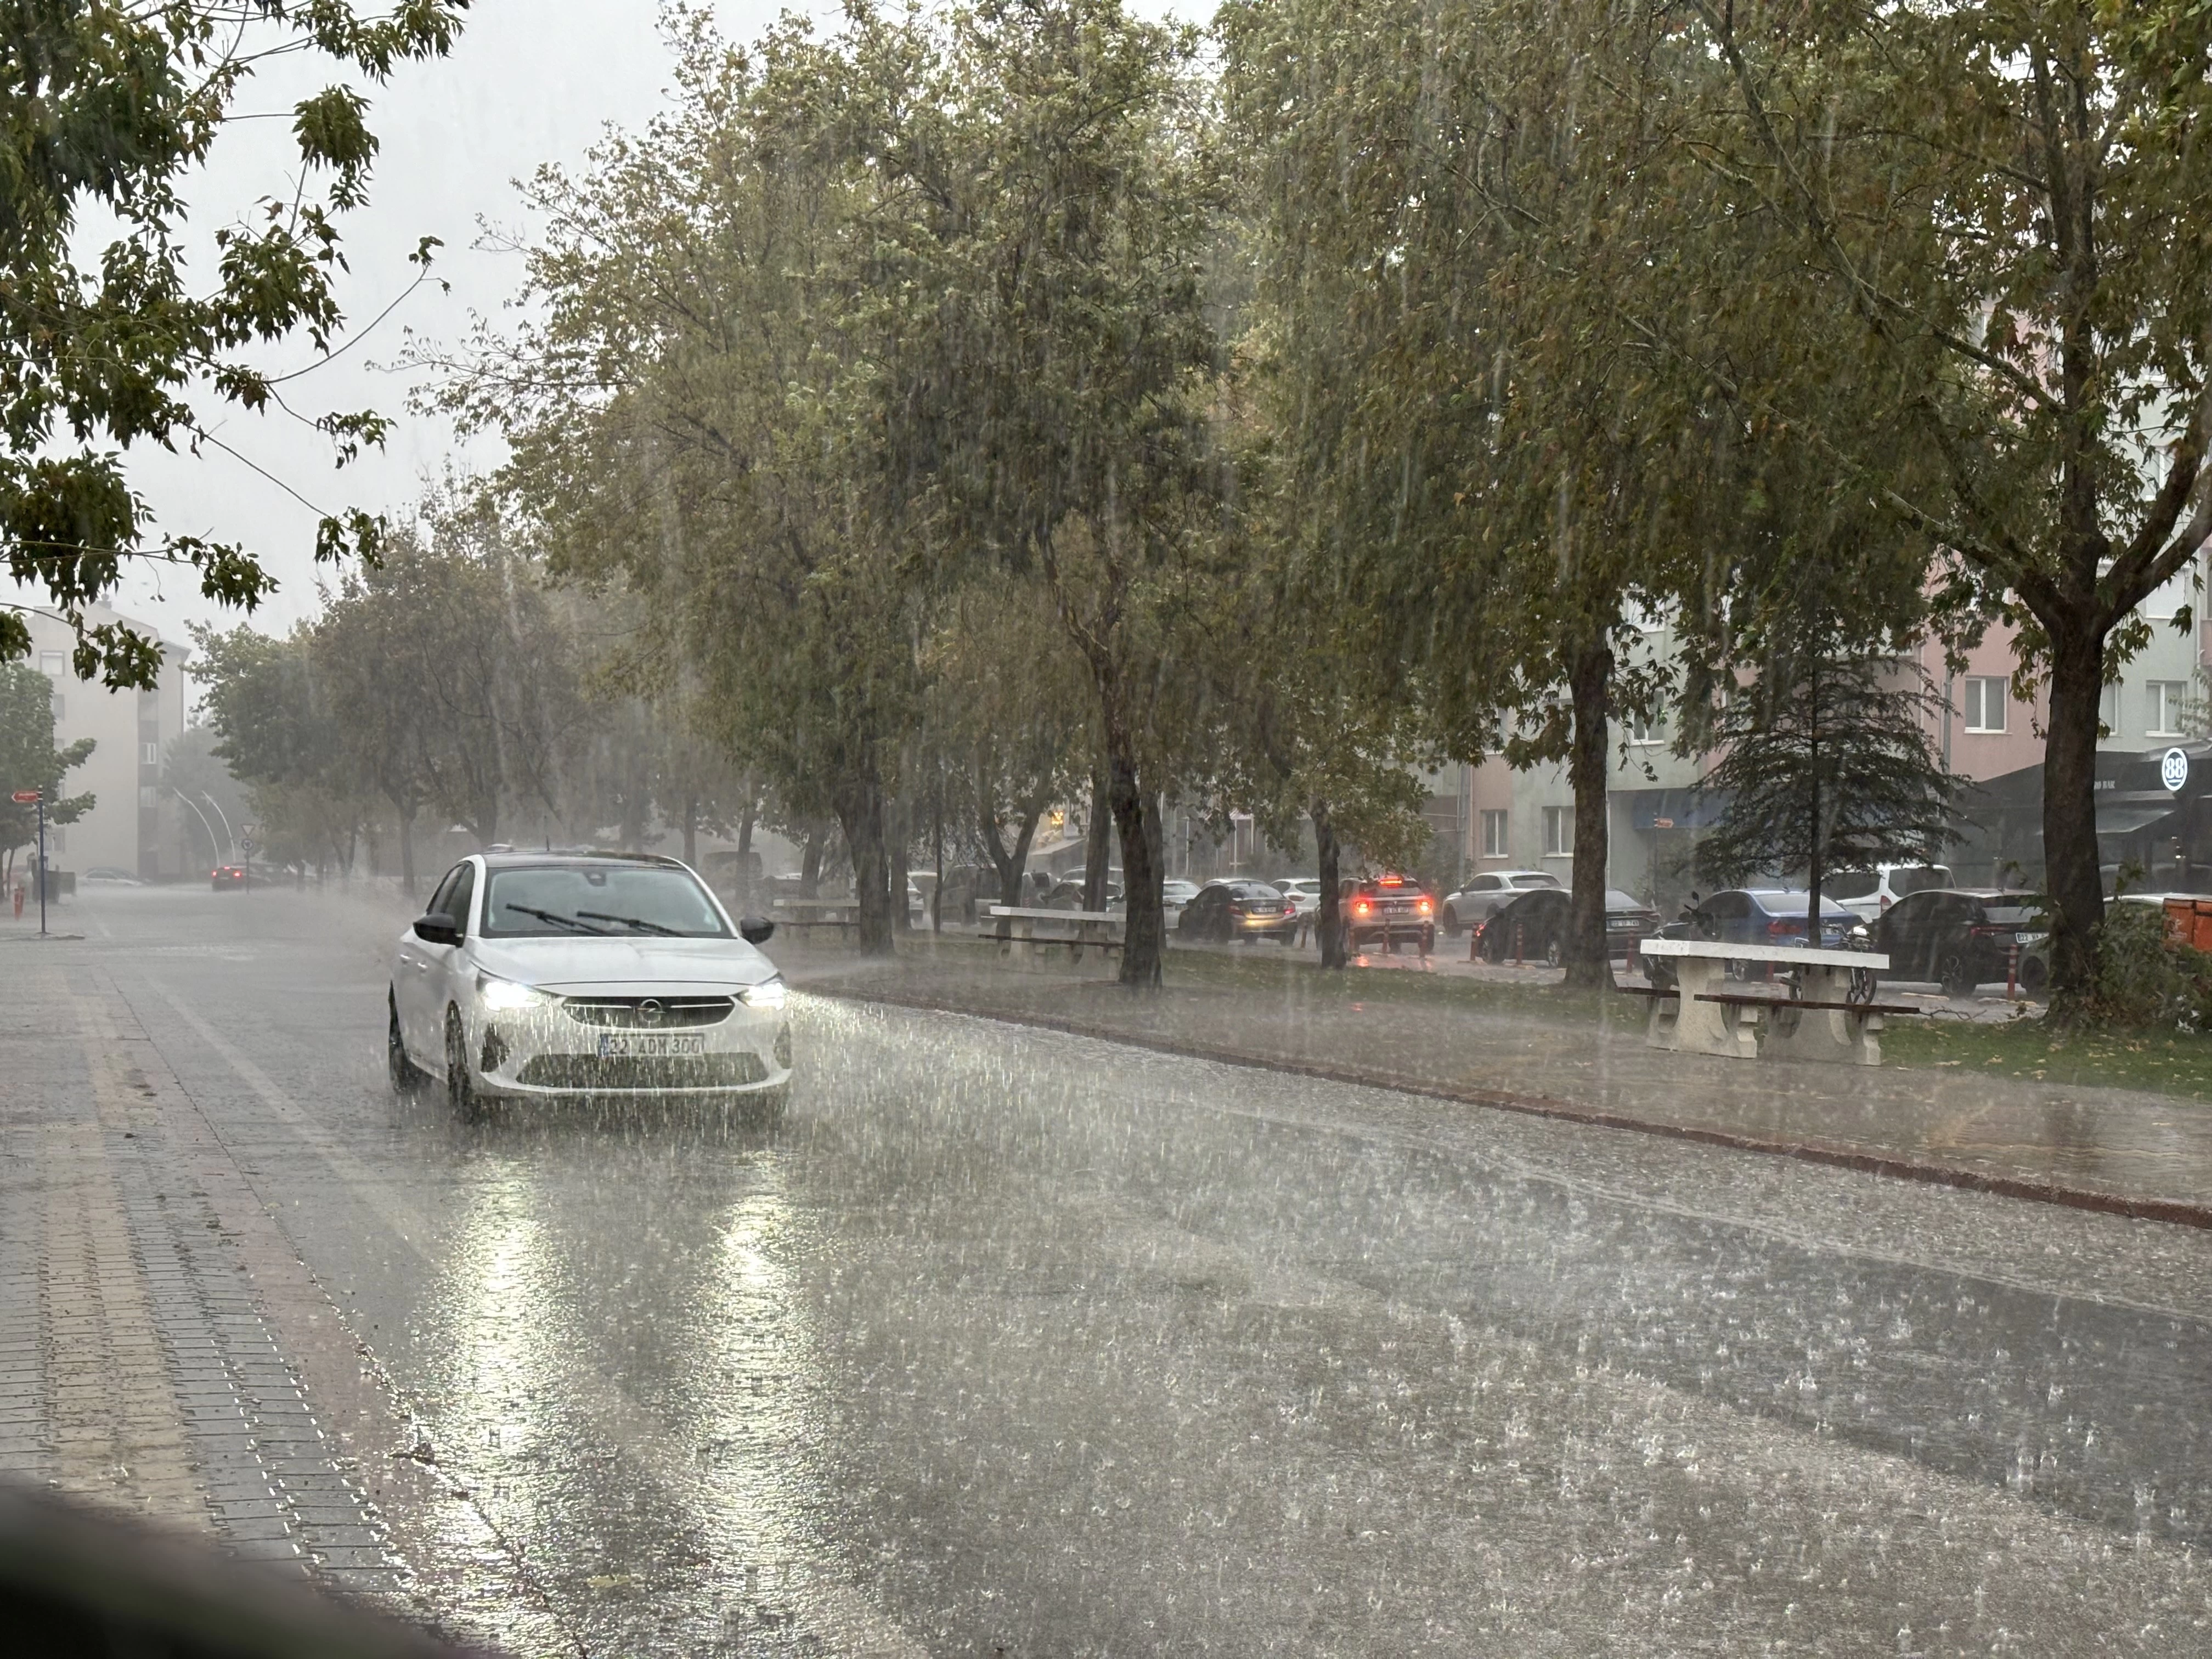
x,y
1959,938
1389,910
227,875
1225,910
1534,927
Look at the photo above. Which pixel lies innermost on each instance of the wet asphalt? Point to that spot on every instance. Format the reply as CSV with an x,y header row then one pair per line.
x,y
1012,1342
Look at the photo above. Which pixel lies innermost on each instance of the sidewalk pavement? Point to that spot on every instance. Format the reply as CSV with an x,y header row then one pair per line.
x,y
2112,1150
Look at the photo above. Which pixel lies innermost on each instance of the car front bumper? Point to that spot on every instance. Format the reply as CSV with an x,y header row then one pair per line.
x,y
552,1053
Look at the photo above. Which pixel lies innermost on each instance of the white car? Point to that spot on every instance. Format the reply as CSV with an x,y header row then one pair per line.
x,y
1483,895
538,977
1305,891
1867,893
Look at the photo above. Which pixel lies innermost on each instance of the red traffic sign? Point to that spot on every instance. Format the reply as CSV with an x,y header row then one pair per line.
x,y
26,797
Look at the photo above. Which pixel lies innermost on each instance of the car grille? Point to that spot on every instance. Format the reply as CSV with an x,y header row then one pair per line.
x,y
626,1013
587,1072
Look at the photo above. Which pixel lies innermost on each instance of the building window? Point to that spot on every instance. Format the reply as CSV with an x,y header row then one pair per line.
x,y
1558,832
1494,832
61,708
149,754
148,796
1646,730
2108,710
2164,703
1986,705
53,663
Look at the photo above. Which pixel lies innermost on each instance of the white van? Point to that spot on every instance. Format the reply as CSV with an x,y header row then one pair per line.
x,y
1868,893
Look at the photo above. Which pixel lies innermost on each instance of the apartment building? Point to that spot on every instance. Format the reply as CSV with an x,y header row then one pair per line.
x,y
135,823
1526,819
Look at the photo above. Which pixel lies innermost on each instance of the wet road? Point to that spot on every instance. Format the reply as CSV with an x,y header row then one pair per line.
x,y
1015,1342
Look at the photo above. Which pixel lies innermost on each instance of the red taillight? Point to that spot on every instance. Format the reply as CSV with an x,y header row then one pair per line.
x,y
1425,907
1780,926
1361,907
1392,881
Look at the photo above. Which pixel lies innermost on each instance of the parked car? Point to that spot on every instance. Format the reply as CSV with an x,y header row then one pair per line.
x,y
1067,895
1303,892
108,874
1388,909
1959,938
620,978
1540,915
225,875
1177,893
1482,896
1767,915
1869,893
1225,910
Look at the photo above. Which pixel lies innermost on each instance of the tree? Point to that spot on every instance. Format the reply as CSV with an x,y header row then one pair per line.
x,y
28,760
111,108
1065,195
2001,203
1827,765
1466,219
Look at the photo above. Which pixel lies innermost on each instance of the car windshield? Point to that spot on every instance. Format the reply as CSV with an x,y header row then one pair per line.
x,y
1918,879
532,901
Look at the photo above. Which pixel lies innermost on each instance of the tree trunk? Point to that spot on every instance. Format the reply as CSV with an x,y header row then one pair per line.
x,y
1812,778
1329,914
1145,925
860,814
936,856
2072,873
895,865
406,849
810,861
1095,846
745,897
1590,680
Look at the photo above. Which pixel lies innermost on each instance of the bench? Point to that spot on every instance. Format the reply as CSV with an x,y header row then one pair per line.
x,y
1824,1022
794,913
1015,924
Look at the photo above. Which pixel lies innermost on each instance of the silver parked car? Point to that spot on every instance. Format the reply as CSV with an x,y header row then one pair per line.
x,y
1478,900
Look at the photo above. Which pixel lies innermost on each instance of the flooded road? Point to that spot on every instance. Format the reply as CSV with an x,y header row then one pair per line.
x,y
1014,1342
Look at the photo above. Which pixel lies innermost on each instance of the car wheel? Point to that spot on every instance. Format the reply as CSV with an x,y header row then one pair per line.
x,y
460,1082
406,1076
1956,977
1452,922
2034,976
1552,957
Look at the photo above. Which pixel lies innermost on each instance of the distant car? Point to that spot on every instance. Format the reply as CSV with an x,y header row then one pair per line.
x,y
109,874
1386,910
1540,914
1067,895
618,978
1484,894
1173,895
1225,910
1869,893
1303,892
227,875
1959,938
1764,915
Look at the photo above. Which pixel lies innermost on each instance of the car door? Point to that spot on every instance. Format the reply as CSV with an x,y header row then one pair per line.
x,y
454,962
412,986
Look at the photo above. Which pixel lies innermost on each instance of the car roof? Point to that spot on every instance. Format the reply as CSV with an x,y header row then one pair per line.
x,y
576,861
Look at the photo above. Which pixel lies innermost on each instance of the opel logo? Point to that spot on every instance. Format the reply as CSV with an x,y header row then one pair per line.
x,y
648,1011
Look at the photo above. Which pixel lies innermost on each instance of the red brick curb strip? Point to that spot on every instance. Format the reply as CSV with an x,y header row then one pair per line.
x,y
2177,1211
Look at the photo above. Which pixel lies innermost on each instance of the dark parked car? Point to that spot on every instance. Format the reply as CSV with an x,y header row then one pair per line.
x,y
1239,910
1485,894
1540,915
1067,895
227,875
1957,937
1765,915
1389,910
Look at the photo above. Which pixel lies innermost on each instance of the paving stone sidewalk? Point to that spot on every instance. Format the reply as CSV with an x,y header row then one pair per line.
x,y
2114,1150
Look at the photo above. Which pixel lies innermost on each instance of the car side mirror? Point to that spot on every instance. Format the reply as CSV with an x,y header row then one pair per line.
x,y
755,929
438,928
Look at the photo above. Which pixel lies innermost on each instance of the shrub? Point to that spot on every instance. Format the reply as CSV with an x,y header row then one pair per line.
x,y
2144,979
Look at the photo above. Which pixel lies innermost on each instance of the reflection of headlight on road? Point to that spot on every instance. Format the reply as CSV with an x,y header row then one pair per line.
x,y
505,996
769,993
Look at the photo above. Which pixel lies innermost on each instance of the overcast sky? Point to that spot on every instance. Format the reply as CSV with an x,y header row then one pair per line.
x,y
531,80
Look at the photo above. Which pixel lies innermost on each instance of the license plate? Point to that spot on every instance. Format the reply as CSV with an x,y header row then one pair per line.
x,y
615,1045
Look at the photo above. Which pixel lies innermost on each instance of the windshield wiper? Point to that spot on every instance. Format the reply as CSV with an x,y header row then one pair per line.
x,y
639,922
554,915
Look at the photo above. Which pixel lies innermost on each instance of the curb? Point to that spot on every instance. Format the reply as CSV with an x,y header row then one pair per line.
x,y
1836,1155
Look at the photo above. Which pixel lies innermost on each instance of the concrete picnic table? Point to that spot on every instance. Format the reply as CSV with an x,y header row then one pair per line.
x,y
1820,1020
815,912
1017,924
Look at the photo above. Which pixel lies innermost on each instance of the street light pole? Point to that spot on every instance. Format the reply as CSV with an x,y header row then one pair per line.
x,y
42,864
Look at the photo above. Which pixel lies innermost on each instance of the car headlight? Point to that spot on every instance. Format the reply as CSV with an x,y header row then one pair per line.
x,y
507,996
770,995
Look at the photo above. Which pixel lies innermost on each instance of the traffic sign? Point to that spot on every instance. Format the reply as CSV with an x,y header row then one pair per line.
x,y
2173,771
26,798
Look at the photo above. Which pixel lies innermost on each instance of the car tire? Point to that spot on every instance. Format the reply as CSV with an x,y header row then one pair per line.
x,y
1552,957
1452,922
2034,974
406,1076
1956,978
461,1093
